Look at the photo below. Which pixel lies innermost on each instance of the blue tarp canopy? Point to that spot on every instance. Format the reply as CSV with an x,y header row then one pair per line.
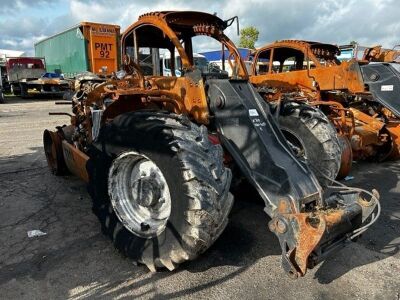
x,y
217,54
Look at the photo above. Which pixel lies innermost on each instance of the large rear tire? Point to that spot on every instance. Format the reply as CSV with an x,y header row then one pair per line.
x,y
179,203
313,139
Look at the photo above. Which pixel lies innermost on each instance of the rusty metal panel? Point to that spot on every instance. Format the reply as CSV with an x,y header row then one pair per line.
x,y
103,47
75,160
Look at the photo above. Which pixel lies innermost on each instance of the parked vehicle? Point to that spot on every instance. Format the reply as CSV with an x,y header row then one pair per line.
x,y
86,47
369,54
157,153
1,88
27,76
221,59
359,98
3,74
199,61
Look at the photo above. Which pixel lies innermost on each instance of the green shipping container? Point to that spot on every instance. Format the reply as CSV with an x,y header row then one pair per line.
x,y
66,52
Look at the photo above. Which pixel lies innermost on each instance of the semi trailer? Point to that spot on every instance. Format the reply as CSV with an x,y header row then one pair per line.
x,y
86,47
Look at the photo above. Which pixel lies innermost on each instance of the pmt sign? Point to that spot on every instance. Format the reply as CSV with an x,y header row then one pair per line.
x,y
103,49
103,46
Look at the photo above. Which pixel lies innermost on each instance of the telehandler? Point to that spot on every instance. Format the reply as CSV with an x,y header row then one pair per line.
x,y
157,153
359,98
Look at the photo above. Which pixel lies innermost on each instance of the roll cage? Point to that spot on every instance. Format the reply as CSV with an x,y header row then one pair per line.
x,y
175,30
313,53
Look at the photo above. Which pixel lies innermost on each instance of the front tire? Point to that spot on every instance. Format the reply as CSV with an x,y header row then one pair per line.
x,y
312,138
15,89
24,90
191,179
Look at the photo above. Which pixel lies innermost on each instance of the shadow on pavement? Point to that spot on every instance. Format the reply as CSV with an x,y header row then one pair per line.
x,y
32,198
75,256
383,236
36,98
33,160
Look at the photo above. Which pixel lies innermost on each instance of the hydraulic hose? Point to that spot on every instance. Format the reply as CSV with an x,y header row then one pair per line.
x,y
341,186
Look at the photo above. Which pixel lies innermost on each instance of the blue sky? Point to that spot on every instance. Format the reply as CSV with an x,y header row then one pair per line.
x,y
370,22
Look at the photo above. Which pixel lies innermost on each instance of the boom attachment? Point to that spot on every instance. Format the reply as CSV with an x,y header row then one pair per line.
x,y
308,223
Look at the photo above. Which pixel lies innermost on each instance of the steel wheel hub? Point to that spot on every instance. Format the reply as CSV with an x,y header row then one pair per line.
x,y
139,194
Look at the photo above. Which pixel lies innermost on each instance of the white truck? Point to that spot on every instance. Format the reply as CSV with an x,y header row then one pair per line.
x,y
200,62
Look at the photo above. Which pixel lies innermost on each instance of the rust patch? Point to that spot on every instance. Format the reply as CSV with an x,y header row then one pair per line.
x,y
346,158
310,232
333,217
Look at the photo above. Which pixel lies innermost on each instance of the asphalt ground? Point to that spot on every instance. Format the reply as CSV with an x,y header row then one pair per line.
x,y
75,261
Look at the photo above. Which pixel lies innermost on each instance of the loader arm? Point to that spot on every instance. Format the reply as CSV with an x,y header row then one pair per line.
x,y
308,223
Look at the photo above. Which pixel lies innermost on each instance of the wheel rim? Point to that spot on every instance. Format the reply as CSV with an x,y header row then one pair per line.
x,y
295,144
139,194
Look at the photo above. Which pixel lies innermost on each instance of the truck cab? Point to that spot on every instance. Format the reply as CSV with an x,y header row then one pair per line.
x,y
23,69
19,68
200,62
